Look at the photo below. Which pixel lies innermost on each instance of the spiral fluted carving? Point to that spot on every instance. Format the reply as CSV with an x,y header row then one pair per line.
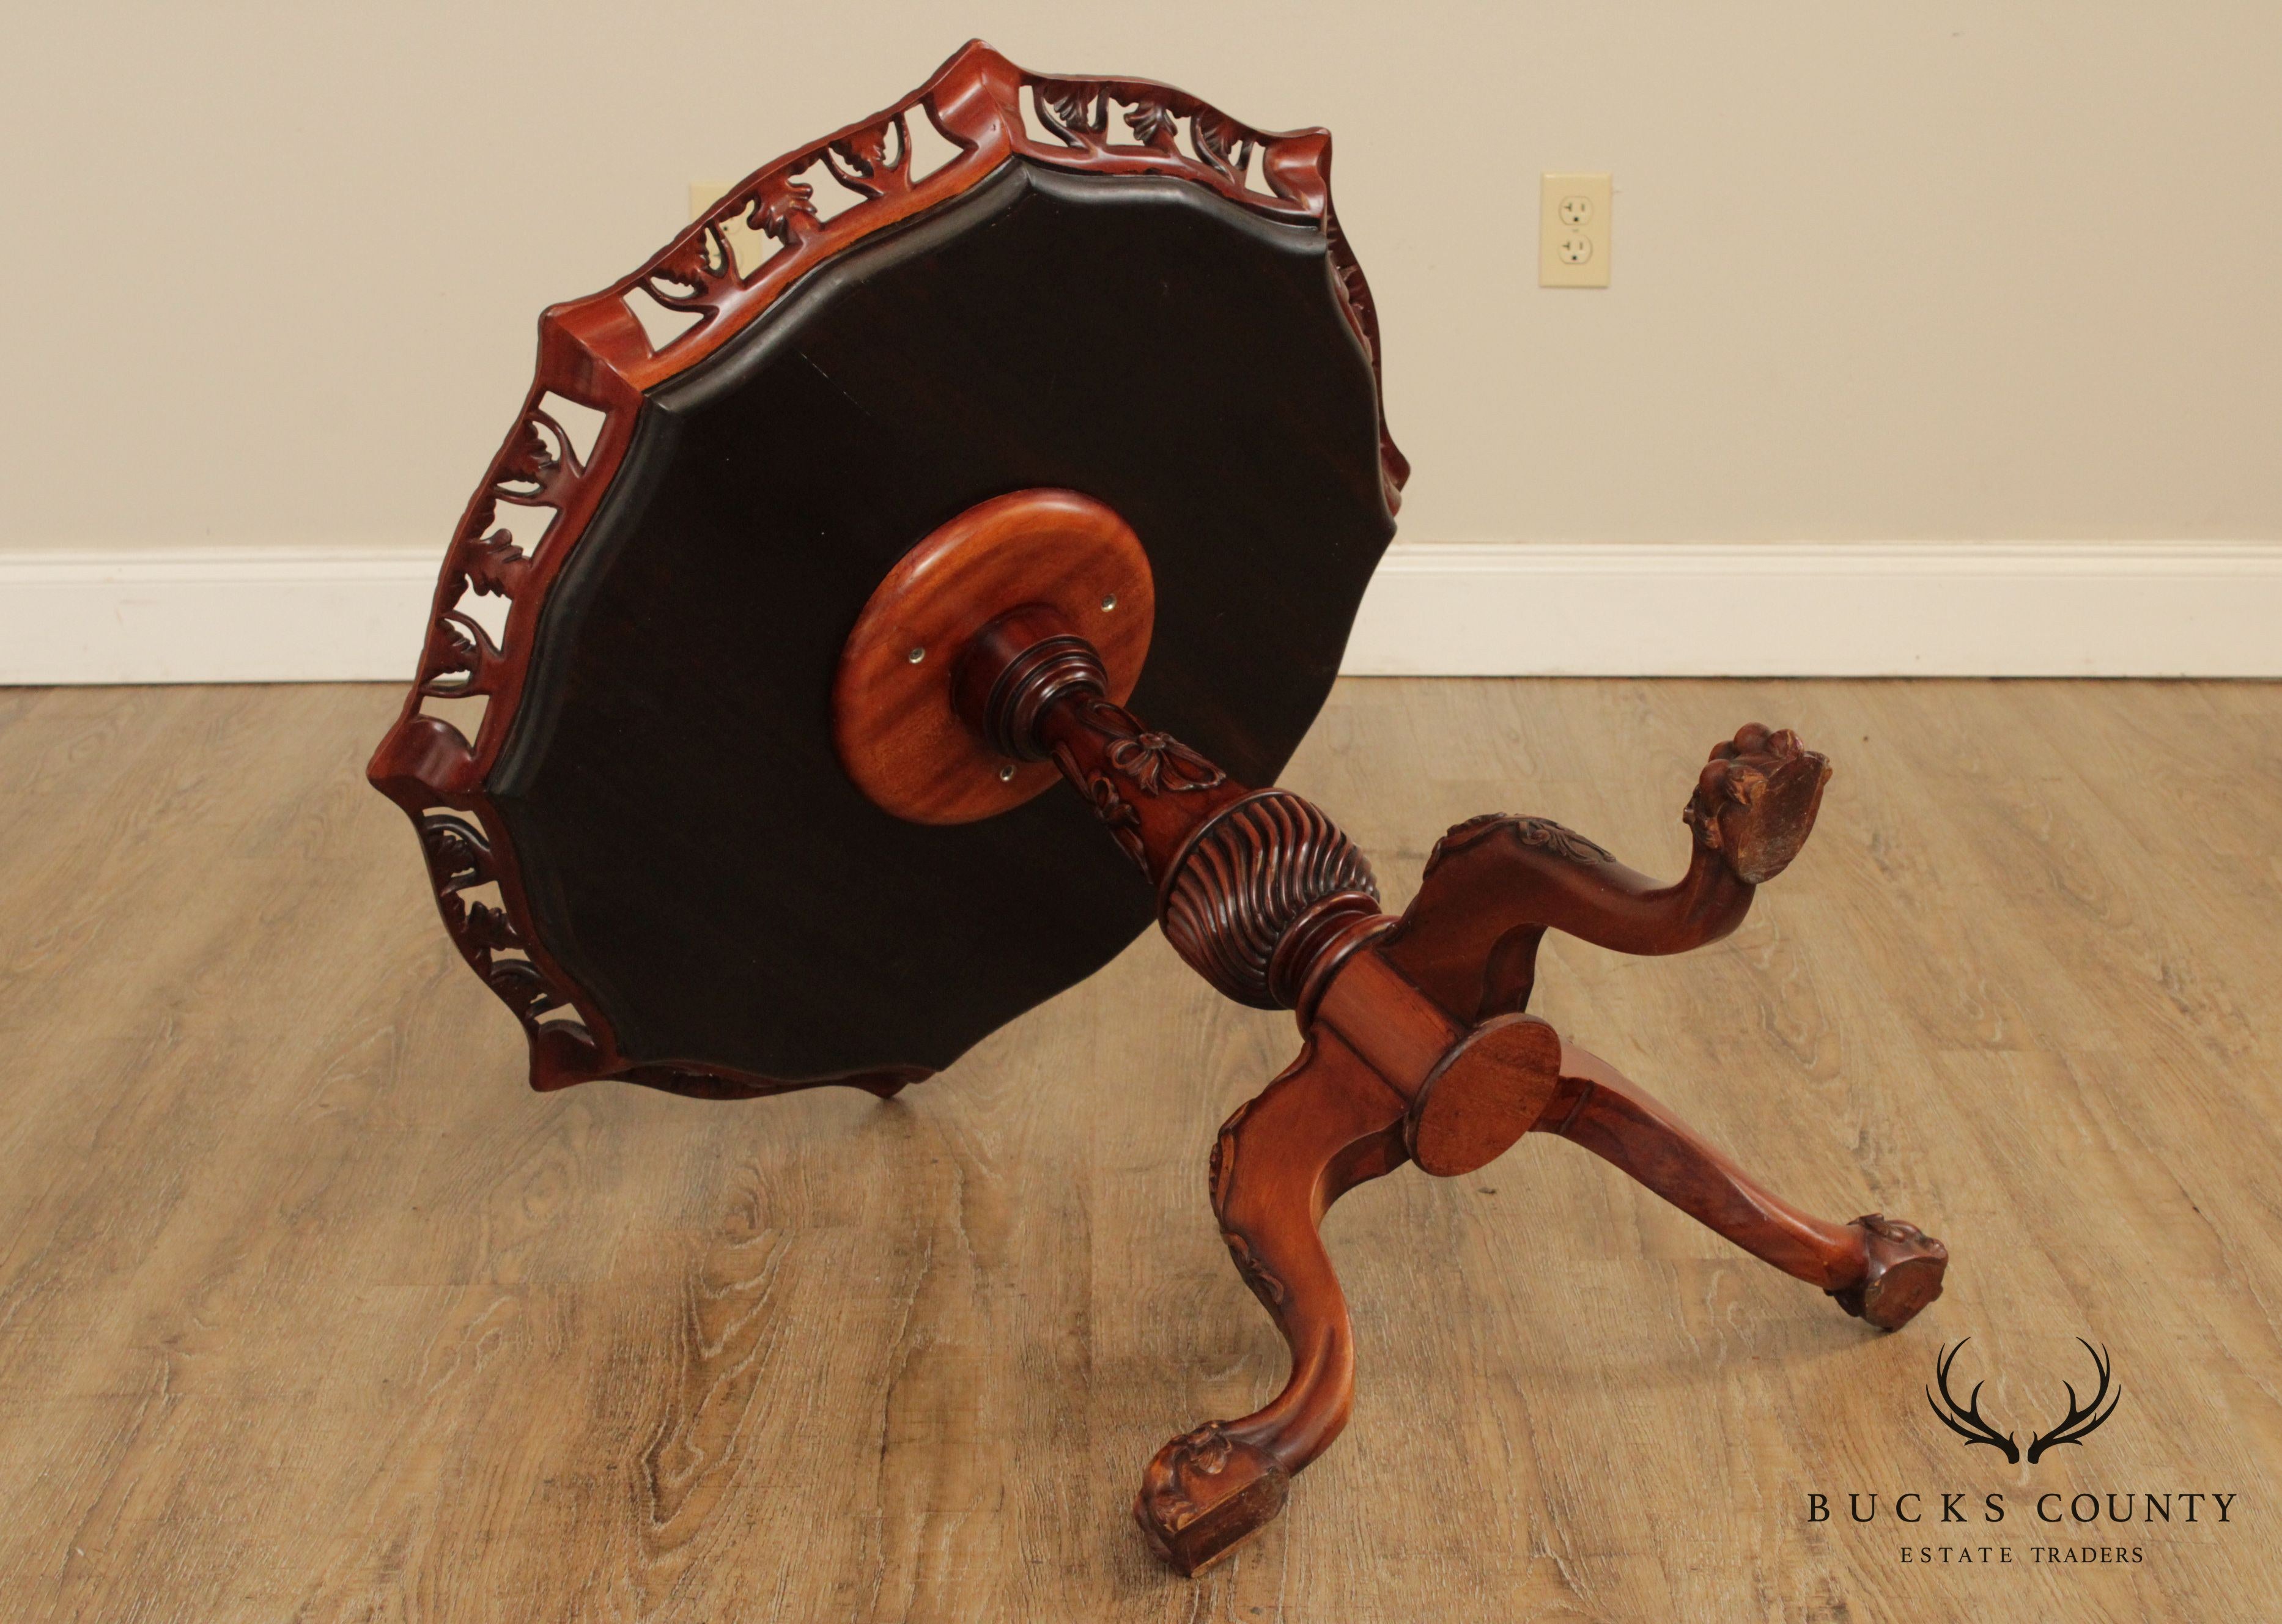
x,y
1247,878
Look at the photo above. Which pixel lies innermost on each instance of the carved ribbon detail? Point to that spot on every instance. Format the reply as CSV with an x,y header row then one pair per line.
x,y
1116,814
1153,761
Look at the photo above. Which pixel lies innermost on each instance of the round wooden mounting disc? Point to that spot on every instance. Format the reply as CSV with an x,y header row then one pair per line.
x,y
1489,1090
893,722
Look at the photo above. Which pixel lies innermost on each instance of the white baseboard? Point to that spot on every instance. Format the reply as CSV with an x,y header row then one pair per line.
x,y
303,614
1825,609
2089,608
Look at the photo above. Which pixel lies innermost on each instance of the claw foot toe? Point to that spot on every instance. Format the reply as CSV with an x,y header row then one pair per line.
x,y
1905,1267
1756,800
1205,1494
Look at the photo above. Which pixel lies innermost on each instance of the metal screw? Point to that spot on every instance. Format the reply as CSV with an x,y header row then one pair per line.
x,y
1006,773
1108,600
916,656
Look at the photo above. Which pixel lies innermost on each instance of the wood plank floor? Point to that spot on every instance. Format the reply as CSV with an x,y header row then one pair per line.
x,y
308,1309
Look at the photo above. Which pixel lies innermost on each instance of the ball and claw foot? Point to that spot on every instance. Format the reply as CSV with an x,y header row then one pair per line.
x,y
1905,1266
1756,799
1205,1495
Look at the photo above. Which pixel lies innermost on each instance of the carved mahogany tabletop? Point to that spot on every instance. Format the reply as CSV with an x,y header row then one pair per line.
x,y
897,533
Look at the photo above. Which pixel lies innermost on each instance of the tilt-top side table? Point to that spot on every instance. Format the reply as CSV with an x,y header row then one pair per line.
x,y
889,498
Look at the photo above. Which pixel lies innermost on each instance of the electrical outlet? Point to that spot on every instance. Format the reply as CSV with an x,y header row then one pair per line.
x,y
1573,232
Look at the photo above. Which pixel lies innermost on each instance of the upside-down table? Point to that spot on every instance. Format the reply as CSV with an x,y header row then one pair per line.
x,y
892,496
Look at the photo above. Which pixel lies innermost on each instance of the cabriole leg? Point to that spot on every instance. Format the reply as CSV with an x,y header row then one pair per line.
x,y
1495,884
1878,1268
1326,1125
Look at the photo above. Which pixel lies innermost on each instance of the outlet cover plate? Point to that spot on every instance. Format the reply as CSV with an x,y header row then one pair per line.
x,y
1572,231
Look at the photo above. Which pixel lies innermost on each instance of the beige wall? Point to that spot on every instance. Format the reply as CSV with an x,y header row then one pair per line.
x,y
1922,270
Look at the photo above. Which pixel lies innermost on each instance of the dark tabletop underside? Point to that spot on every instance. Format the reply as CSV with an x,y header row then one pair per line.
x,y
693,855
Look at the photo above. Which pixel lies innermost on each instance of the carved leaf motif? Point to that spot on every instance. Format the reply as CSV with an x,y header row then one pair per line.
x,y
1542,833
1458,837
458,648
1154,124
681,277
781,208
491,927
1256,1274
1216,140
522,988
861,164
460,645
1548,835
495,564
1072,112
457,856
534,456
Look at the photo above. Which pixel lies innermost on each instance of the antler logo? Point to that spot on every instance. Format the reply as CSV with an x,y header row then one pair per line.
x,y
1966,1421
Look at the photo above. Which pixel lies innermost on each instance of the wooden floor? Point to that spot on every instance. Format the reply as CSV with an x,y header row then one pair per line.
x,y
308,1309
